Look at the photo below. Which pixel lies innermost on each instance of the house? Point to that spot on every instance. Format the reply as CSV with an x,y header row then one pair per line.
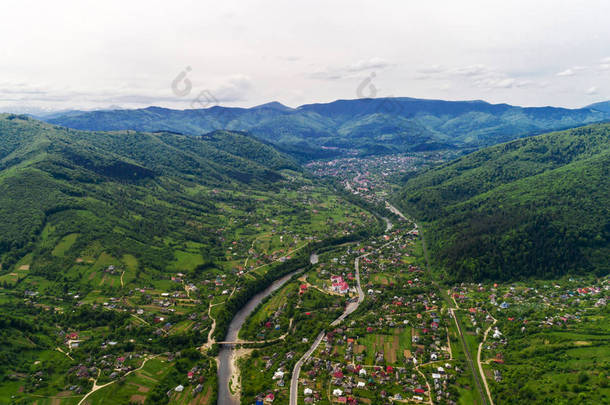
x,y
337,392
307,391
270,398
497,334
179,388
341,287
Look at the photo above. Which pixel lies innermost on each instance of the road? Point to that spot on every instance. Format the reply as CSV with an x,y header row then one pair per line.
x,y
351,307
475,374
294,382
481,365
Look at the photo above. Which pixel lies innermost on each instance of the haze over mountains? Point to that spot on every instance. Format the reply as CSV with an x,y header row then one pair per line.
x,y
379,125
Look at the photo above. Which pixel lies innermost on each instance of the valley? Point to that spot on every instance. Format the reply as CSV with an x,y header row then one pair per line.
x,y
244,277
305,203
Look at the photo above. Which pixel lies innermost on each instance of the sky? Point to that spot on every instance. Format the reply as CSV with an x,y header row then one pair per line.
x,y
194,54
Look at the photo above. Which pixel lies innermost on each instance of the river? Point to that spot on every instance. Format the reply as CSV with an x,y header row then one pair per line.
x,y
225,365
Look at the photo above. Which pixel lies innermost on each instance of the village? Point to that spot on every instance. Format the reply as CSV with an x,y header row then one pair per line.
x,y
500,318
373,178
394,348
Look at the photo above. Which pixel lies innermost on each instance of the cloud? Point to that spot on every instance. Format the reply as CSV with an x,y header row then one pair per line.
x,y
350,71
289,58
372,63
477,75
567,72
571,71
235,88
227,90
432,70
591,90
472,71
604,64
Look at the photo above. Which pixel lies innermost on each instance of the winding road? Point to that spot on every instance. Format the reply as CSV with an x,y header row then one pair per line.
x,y
294,382
351,307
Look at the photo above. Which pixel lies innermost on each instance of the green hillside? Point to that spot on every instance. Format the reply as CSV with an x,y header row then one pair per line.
x,y
132,238
122,183
532,207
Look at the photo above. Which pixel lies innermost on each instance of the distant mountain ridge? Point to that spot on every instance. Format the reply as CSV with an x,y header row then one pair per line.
x,y
379,125
601,106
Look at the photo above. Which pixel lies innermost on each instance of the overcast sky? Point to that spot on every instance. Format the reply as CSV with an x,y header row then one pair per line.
x,y
128,53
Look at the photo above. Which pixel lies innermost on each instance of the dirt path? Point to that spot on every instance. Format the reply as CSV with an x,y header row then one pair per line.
x,y
122,274
140,319
98,387
453,298
427,384
210,341
60,350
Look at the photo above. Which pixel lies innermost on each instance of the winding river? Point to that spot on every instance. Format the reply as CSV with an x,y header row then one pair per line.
x,y
225,365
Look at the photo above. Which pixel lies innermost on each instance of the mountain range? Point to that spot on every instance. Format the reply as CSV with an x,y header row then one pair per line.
x,y
370,126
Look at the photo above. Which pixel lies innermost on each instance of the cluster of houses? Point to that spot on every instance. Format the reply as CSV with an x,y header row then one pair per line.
x,y
339,285
387,372
366,177
558,304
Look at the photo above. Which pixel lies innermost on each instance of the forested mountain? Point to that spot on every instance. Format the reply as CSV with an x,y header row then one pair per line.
x,y
538,206
125,190
380,125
